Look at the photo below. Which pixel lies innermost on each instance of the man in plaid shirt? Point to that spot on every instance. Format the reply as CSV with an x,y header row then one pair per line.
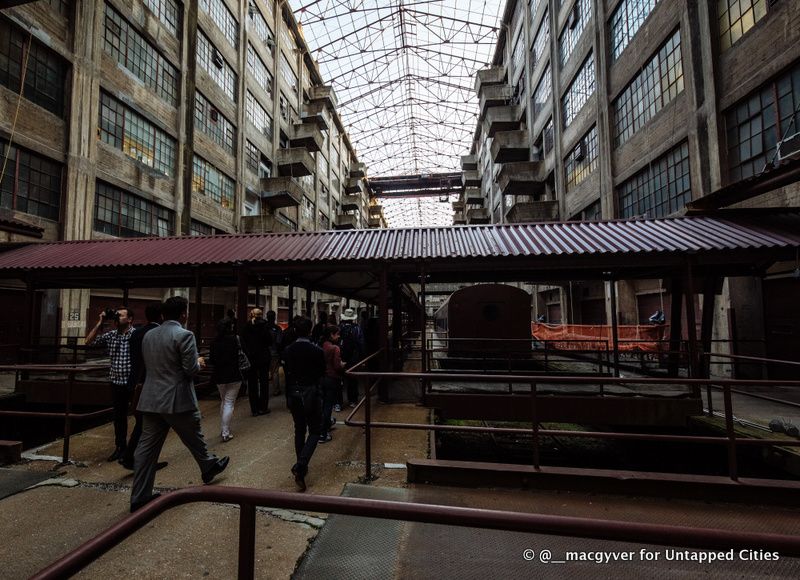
x,y
117,344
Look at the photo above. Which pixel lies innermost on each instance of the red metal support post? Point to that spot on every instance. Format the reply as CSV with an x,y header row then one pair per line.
x,y
383,329
675,322
67,417
614,324
247,541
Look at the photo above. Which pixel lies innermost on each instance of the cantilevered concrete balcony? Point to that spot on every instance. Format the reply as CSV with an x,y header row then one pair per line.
x,y
505,118
522,178
458,205
473,196
376,210
351,202
281,192
307,135
324,94
471,178
345,222
469,162
358,170
493,75
533,211
317,113
478,216
459,218
295,162
260,224
352,185
494,96
508,146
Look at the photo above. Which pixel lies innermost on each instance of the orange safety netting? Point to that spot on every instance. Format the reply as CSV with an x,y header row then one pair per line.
x,y
647,338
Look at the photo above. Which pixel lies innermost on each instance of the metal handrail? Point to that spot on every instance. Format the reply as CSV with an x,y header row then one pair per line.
x,y
249,499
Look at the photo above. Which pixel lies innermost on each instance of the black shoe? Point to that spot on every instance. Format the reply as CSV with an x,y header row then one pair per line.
x,y
299,479
140,504
218,467
118,452
161,465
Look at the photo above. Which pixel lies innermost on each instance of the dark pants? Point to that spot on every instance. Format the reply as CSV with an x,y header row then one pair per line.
x,y
120,398
305,404
352,389
258,387
331,391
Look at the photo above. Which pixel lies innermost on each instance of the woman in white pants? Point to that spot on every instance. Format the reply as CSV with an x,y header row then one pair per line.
x,y
225,373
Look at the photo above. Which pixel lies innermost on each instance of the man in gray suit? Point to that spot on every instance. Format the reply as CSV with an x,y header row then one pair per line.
x,y
168,400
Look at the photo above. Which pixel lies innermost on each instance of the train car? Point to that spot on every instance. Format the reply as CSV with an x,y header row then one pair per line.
x,y
497,312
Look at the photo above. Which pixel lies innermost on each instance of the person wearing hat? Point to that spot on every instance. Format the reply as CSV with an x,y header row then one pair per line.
x,y
352,347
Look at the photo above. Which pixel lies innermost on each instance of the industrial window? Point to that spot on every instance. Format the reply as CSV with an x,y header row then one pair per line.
x,y
210,121
661,188
657,84
322,166
590,213
626,21
125,215
259,70
214,64
124,129
291,224
534,6
548,136
252,155
125,45
579,91
736,17
209,181
287,36
288,113
518,53
200,229
324,221
759,121
543,92
579,16
582,160
260,26
307,209
46,74
169,12
287,73
31,183
60,6
223,18
256,114
541,43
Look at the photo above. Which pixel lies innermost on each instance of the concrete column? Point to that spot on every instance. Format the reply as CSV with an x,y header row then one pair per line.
x,y
186,122
604,136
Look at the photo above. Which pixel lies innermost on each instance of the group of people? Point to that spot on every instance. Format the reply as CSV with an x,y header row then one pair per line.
x,y
152,368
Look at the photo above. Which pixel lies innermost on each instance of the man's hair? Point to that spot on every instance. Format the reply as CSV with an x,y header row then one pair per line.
x,y
330,330
126,309
174,306
303,326
271,316
152,312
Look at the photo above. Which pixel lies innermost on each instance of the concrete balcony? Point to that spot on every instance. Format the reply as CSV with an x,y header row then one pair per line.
x,y
352,185
358,170
281,192
510,146
351,202
478,216
307,135
493,75
376,210
473,196
317,113
375,221
469,162
471,178
324,94
459,218
533,211
295,162
498,119
345,222
458,205
262,224
522,178
494,96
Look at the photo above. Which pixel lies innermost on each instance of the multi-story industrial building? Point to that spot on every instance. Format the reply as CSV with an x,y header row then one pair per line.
x,y
634,108
155,117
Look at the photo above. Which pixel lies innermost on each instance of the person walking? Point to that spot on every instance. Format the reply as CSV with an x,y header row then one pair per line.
x,y
352,345
332,381
318,332
304,363
275,347
256,341
168,401
225,373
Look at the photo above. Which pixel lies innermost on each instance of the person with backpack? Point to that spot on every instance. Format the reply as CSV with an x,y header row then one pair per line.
x,y
352,349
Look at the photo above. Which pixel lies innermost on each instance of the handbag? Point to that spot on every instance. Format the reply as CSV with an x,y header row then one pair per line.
x,y
244,362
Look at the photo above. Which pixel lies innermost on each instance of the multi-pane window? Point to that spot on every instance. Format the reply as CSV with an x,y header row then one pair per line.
x,y
541,42
736,17
534,6
579,91
259,70
252,154
759,121
169,12
209,181
548,137
661,188
122,214
307,209
125,129
287,36
200,229
210,121
543,92
579,16
129,48
518,53
46,71
287,73
31,183
223,18
324,221
211,61
626,21
591,212
260,26
257,115
658,83
288,113
289,223
322,166
582,160
60,6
